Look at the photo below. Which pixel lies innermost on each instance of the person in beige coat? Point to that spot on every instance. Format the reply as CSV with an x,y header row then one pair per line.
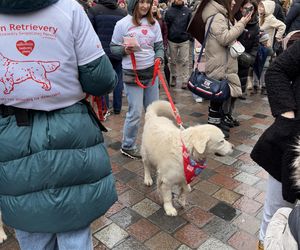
x,y
268,23
219,63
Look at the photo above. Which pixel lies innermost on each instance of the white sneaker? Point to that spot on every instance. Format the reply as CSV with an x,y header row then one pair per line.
x,y
199,99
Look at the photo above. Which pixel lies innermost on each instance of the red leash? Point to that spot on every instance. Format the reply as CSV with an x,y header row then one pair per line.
x,y
158,73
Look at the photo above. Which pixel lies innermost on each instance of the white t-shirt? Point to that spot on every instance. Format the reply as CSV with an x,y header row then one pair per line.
x,y
40,53
146,35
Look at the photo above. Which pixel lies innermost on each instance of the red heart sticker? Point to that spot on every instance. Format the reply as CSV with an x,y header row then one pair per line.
x,y
145,32
25,48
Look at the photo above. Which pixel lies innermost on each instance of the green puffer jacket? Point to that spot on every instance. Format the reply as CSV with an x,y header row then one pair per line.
x,y
55,175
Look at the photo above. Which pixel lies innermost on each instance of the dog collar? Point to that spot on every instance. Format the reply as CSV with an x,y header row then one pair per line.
x,y
191,167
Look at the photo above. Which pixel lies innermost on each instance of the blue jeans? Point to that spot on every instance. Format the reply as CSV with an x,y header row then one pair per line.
x,y
75,240
117,93
138,99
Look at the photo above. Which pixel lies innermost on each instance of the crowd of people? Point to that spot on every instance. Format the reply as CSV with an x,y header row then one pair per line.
x,y
115,46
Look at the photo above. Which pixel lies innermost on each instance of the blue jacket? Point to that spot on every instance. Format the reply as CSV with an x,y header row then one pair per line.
x,y
104,17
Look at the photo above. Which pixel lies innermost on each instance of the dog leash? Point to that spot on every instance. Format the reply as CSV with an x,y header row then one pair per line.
x,y
158,73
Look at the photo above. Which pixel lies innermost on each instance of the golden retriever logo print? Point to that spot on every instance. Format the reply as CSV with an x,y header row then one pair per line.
x,y
14,72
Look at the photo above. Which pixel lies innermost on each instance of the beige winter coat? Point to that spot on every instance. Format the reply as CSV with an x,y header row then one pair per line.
x,y
278,235
219,38
271,24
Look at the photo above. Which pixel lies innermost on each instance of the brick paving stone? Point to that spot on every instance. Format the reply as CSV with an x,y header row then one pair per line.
x,y
244,117
220,229
198,217
224,181
167,223
201,199
134,166
247,205
125,217
227,171
247,178
228,160
130,244
248,223
183,247
214,244
142,230
226,195
247,190
114,209
101,246
146,207
119,159
224,211
248,167
236,153
121,187
100,223
125,176
130,197
244,148
138,185
243,240
206,187
212,164
261,197
206,174
191,235
163,241
260,126
111,235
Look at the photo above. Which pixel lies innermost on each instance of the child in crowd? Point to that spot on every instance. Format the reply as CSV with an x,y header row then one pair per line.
x,y
262,63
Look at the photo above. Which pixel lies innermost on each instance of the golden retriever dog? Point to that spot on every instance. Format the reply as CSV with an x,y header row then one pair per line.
x,y
3,236
15,72
162,148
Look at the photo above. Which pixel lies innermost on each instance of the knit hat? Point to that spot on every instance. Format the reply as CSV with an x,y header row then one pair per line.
x,y
131,5
264,37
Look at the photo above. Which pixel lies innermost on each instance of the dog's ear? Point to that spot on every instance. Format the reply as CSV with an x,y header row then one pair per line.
x,y
200,143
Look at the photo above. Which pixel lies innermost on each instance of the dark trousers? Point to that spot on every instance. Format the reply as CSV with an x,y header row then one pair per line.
x,y
118,90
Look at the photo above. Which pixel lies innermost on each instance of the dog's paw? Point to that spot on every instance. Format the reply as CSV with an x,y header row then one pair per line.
x,y
170,211
3,236
148,182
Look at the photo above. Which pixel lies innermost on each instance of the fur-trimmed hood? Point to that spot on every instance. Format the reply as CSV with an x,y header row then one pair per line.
x,y
296,165
269,7
23,6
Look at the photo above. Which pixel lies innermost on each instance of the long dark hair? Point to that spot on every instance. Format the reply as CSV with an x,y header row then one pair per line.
x,y
225,3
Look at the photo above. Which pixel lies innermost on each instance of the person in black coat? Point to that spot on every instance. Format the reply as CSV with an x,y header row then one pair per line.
x,y
275,149
249,39
104,17
292,20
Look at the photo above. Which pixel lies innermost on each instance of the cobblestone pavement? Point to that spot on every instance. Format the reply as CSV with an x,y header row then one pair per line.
x,y
224,207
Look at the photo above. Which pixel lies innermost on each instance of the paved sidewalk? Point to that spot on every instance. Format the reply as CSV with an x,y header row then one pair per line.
x,y
224,207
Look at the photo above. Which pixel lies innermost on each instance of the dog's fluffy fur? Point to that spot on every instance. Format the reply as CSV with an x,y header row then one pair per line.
x,y
3,236
296,164
162,148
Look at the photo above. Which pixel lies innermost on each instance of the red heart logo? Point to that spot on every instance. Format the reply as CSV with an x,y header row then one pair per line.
x,y
25,48
145,32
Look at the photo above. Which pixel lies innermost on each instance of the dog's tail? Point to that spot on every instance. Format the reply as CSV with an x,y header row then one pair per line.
x,y
50,66
160,108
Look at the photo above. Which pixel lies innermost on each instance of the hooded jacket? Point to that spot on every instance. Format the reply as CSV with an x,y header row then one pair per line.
x,y
55,173
219,63
272,25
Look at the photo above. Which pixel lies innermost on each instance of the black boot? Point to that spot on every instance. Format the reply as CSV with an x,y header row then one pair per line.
x,y
230,120
214,118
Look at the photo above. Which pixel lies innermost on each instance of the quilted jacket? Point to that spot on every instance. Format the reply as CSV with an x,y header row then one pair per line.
x,y
55,175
